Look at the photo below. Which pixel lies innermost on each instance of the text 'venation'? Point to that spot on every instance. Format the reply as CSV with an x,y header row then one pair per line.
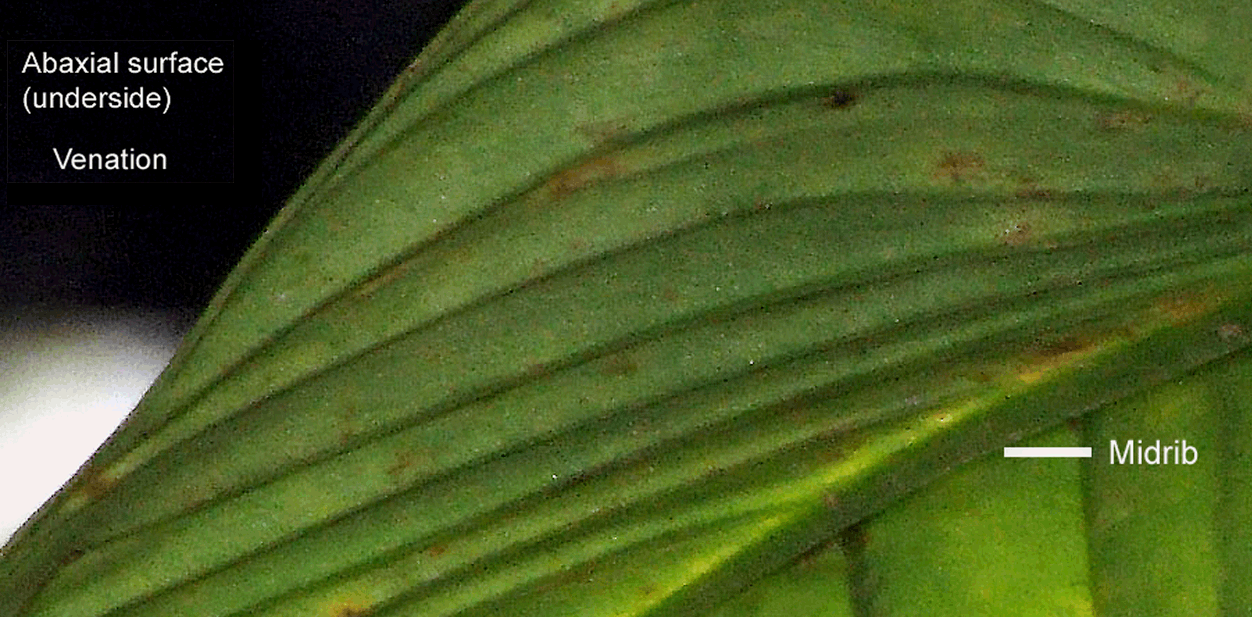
x,y
123,160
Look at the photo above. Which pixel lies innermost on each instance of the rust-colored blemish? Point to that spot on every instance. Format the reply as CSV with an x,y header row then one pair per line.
x,y
1075,424
832,501
840,99
1062,346
982,376
536,368
1187,91
538,267
382,279
1182,307
797,411
1035,194
437,550
1028,188
602,132
335,225
413,70
582,572
854,539
395,94
1016,234
1174,185
958,167
1230,332
96,485
70,557
812,557
583,175
640,426
350,610
1052,354
401,464
1122,120
619,365
345,423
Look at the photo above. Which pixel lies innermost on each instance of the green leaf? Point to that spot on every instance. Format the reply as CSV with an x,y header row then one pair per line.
x,y
1058,537
616,308
1002,537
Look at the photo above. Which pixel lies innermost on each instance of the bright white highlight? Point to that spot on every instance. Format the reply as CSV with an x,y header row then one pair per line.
x,y
1047,453
67,379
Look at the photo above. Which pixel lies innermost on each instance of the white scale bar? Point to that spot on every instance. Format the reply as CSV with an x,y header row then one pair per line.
x,y
1047,453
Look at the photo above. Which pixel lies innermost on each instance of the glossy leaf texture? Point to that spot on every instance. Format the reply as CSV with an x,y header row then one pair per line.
x,y
615,308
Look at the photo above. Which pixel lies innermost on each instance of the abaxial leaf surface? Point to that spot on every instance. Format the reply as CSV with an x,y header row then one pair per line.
x,y
616,308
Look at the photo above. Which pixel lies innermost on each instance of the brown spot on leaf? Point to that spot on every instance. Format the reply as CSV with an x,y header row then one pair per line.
x,y
405,462
572,575
831,500
382,279
1186,306
536,368
1230,332
958,167
982,376
1028,188
1050,354
1122,121
334,224
345,422
1187,91
855,539
1037,194
812,557
1075,425
70,557
1063,345
583,175
840,99
401,464
96,485
437,550
619,365
1016,234
601,132
538,267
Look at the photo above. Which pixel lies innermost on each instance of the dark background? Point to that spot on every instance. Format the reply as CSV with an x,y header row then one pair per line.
x,y
306,72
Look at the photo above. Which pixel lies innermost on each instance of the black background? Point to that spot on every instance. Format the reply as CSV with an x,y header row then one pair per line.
x,y
306,73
